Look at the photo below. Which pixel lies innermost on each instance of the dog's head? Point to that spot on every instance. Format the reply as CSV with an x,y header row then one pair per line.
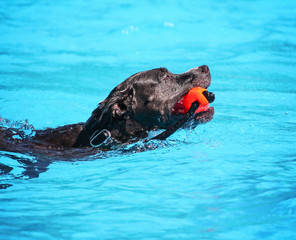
x,y
145,101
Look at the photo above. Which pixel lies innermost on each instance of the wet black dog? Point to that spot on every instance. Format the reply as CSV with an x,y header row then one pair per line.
x,y
144,102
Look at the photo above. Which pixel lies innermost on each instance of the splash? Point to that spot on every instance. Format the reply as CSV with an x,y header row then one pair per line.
x,y
21,129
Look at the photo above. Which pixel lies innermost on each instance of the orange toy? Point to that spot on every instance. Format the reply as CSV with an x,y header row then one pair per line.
x,y
195,94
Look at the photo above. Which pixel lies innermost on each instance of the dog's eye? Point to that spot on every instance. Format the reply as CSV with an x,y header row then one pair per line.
x,y
166,77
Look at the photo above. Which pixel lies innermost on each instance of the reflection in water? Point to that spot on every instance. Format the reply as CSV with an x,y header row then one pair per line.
x,y
30,167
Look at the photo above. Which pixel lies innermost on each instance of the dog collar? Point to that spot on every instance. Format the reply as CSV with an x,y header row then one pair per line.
x,y
99,137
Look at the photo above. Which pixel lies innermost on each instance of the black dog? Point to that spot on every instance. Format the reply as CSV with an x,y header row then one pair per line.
x,y
144,102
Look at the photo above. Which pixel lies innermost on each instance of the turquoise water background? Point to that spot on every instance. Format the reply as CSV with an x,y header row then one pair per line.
x,y
233,178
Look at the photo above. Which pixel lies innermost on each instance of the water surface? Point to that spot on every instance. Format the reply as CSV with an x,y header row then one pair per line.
x,y
233,178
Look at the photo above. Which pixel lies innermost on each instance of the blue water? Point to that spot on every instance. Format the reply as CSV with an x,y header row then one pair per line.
x,y
233,178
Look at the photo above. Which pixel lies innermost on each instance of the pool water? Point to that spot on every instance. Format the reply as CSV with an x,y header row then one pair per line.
x,y
232,178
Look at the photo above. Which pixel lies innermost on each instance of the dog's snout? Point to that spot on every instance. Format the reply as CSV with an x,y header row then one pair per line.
x,y
204,69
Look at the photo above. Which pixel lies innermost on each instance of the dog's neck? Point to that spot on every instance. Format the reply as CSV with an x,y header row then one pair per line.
x,y
95,135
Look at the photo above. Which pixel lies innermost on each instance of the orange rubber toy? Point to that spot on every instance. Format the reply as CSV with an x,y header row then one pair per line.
x,y
195,94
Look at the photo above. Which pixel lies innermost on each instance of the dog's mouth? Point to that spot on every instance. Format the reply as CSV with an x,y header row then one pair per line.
x,y
203,112
179,109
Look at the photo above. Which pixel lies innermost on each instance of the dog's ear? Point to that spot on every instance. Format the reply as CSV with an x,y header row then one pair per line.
x,y
116,105
122,103
118,110
103,115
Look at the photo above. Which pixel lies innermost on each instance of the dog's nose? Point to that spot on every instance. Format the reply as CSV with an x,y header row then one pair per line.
x,y
204,69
